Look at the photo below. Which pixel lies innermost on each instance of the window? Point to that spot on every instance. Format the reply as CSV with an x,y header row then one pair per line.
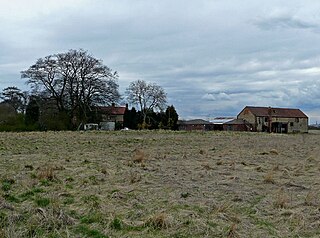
x,y
291,123
297,120
266,119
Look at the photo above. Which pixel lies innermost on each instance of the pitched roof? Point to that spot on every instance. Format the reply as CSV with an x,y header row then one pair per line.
x,y
236,122
221,120
113,110
194,122
276,112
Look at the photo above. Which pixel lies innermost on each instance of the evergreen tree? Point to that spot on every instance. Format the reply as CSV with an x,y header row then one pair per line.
x,y
131,119
172,118
32,112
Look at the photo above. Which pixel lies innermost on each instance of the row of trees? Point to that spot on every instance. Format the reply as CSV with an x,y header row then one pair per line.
x,y
66,89
154,120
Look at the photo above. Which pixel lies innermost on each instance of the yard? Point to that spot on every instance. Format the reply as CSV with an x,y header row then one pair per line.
x,y
159,184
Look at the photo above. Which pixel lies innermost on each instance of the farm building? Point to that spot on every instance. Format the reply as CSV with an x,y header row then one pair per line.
x,y
278,120
196,124
218,122
113,114
237,125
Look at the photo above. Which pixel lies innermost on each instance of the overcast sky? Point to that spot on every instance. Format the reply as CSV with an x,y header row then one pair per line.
x,y
212,57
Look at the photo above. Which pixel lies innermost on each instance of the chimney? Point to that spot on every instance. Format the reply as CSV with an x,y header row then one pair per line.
x,y
113,104
270,119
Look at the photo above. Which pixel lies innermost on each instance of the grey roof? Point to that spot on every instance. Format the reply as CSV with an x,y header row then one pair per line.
x,y
221,120
236,122
194,122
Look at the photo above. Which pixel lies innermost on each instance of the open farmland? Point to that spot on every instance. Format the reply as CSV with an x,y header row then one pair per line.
x,y
159,184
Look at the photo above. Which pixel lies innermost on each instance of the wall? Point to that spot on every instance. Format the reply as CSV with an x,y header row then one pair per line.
x,y
261,123
249,117
235,127
195,127
295,124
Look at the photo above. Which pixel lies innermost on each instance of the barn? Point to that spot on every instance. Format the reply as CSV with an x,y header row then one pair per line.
x,y
277,120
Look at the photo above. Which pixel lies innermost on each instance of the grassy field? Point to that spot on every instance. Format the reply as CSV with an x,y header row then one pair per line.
x,y
159,184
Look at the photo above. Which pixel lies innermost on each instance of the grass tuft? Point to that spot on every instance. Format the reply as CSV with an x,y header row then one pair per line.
x,y
139,156
46,173
42,202
232,232
158,221
311,199
116,224
281,199
269,178
6,184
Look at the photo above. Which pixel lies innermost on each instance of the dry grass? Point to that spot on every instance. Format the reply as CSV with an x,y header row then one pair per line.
x,y
159,184
46,173
232,233
158,221
274,152
311,198
269,177
281,199
139,156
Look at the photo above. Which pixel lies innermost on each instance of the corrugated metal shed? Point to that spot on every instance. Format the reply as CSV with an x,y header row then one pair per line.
x,y
236,122
221,120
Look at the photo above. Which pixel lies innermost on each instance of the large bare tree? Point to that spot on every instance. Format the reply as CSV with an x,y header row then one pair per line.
x,y
148,96
75,80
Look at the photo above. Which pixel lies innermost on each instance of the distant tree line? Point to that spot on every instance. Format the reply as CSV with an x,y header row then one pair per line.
x,y
66,90
154,120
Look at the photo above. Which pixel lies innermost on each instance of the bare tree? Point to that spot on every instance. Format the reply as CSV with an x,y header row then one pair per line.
x,y
147,96
75,80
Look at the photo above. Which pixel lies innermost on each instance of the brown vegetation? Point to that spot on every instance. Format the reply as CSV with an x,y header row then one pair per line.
x,y
176,184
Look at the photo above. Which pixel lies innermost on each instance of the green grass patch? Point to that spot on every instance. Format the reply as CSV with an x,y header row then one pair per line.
x,y
11,198
29,194
68,200
35,231
89,233
91,218
116,224
42,202
45,182
6,184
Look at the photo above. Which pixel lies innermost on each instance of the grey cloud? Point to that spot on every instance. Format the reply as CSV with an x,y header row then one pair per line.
x,y
284,22
208,55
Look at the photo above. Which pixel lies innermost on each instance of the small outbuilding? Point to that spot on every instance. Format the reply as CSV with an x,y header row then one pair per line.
x,y
237,125
218,122
195,125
